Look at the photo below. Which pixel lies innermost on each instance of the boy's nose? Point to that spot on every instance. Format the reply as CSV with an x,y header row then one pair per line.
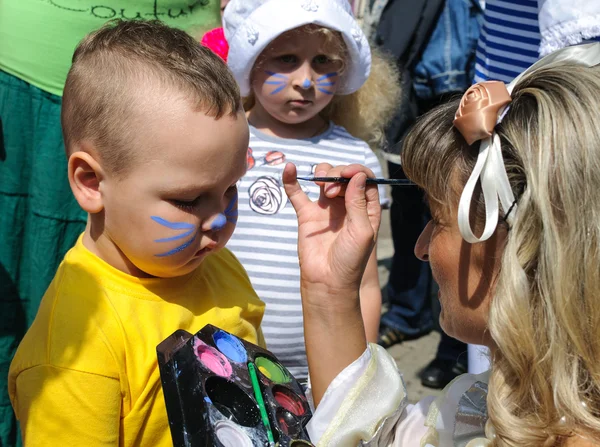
x,y
217,223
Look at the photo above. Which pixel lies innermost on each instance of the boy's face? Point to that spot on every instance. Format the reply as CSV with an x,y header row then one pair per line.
x,y
294,78
179,202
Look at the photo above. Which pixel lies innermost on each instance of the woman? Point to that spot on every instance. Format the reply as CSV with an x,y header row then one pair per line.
x,y
522,278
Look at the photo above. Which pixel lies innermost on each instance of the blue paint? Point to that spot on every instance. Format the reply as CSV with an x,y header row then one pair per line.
x,y
230,213
327,76
278,89
230,346
326,83
178,249
306,83
172,225
175,226
277,75
174,238
207,400
325,91
218,222
282,84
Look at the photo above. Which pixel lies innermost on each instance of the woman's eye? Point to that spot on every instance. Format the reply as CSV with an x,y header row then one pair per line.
x,y
321,59
288,59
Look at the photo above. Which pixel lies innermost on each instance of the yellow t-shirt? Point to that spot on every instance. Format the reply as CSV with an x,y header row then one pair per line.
x,y
86,372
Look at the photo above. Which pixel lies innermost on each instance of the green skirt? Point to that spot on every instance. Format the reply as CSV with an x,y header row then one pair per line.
x,y
39,217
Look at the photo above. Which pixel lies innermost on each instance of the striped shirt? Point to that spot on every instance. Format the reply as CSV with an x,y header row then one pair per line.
x,y
265,239
509,41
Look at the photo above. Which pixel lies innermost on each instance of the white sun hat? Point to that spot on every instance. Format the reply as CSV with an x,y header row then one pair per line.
x,y
250,25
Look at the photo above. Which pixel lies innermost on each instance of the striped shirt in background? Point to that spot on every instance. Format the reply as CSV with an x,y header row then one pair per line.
x,y
510,39
265,239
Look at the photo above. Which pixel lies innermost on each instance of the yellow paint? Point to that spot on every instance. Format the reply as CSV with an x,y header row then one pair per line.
x,y
264,371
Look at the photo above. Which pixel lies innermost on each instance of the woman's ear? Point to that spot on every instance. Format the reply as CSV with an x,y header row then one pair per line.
x,y
85,177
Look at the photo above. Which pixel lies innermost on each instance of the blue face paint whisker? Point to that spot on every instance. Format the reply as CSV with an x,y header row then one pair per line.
x,y
178,249
274,82
231,204
277,75
176,226
174,238
172,225
326,83
325,91
278,89
326,76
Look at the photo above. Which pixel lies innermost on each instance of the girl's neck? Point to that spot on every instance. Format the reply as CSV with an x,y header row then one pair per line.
x,y
260,119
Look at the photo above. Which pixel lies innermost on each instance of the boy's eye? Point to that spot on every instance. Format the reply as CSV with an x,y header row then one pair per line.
x,y
321,59
186,204
288,59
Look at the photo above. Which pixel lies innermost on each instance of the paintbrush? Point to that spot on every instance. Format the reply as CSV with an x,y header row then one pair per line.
x,y
370,181
261,403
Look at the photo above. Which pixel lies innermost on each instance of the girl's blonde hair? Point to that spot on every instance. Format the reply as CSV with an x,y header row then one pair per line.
x,y
545,311
366,112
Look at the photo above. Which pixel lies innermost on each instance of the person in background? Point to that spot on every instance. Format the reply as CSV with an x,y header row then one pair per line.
x,y
40,219
312,94
436,53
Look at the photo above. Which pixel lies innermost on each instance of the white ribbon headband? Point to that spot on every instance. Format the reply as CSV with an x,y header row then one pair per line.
x,y
489,168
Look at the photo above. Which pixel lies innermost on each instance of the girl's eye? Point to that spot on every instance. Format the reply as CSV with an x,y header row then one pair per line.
x,y
321,59
288,59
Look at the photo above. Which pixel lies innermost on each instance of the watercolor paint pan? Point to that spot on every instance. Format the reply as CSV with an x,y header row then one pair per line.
x,y
211,399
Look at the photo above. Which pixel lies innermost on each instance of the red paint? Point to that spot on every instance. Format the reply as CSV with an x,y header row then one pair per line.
x,y
274,158
289,401
250,162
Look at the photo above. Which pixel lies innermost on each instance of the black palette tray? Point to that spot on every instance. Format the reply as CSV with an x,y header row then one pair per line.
x,y
210,399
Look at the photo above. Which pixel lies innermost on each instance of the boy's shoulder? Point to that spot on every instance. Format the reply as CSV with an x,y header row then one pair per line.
x,y
69,330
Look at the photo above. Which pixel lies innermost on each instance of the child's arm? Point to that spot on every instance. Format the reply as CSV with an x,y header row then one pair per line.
x,y
370,298
59,406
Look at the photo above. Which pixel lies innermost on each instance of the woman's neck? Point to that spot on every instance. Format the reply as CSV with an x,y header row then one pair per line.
x,y
260,119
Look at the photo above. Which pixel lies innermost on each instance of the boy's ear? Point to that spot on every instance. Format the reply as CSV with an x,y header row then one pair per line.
x,y
85,176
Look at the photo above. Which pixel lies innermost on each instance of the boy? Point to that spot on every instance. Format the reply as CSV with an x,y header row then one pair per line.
x,y
156,140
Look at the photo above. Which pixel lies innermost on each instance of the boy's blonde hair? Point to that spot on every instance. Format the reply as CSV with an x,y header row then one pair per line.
x,y
545,310
112,66
366,112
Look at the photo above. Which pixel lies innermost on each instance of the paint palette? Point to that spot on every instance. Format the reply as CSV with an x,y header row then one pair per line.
x,y
223,391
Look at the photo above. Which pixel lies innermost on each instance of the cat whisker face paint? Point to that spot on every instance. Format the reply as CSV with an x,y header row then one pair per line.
x,y
280,81
230,215
189,231
325,82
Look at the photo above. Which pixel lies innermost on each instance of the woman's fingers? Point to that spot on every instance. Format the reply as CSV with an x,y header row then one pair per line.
x,y
298,198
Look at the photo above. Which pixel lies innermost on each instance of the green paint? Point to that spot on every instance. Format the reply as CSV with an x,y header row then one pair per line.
x,y
271,370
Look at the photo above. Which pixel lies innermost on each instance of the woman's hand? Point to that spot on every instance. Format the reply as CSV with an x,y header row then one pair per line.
x,y
336,235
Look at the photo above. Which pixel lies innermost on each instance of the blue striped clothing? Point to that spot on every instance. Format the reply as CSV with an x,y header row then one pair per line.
x,y
266,235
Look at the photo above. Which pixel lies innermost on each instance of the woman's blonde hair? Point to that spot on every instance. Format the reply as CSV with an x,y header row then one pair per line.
x,y
545,311
366,112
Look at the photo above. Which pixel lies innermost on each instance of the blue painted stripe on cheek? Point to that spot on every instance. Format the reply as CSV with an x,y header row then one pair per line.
x,y
326,76
178,249
276,75
325,91
174,238
172,225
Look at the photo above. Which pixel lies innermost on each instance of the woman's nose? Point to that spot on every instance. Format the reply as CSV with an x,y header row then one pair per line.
x,y
422,245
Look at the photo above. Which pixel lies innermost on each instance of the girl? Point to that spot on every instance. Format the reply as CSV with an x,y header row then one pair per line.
x,y
512,175
303,67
